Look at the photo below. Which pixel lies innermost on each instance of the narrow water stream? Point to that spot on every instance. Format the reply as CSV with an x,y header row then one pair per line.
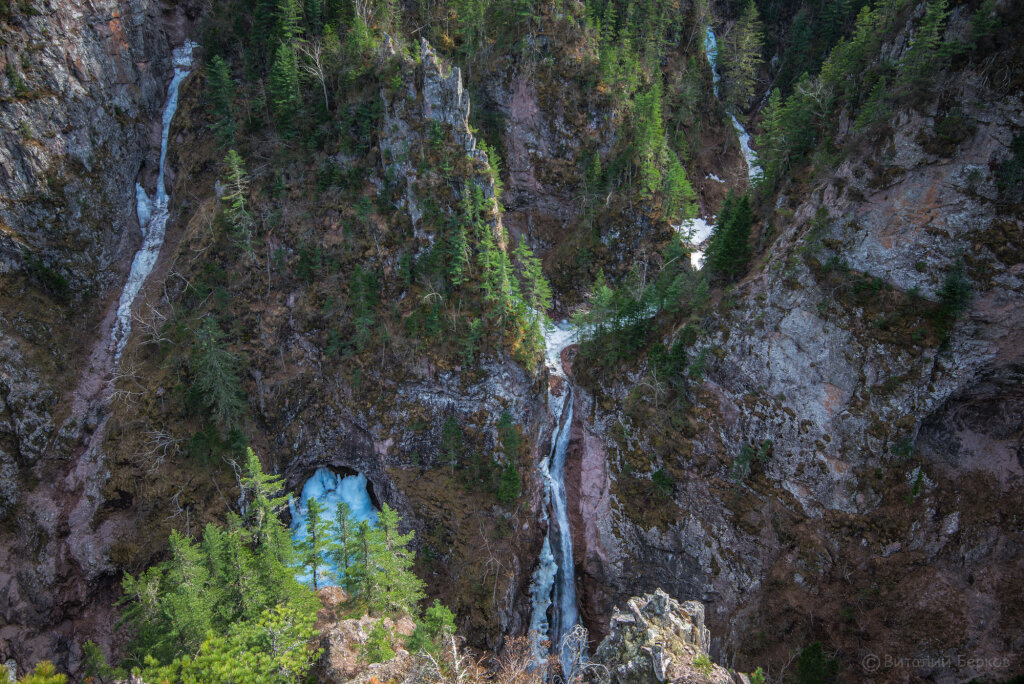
x,y
554,581
754,171
153,212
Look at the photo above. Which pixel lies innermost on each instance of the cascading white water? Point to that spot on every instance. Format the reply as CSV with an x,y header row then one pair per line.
x,y
754,171
152,212
554,581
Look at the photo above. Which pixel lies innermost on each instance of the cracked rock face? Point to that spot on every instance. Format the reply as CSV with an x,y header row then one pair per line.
x,y
76,127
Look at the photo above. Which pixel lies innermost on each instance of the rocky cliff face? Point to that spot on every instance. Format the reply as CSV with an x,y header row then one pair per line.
x,y
83,87
840,460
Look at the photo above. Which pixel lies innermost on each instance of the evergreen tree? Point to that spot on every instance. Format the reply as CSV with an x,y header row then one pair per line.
x,y
44,673
314,547
924,57
397,588
342,547
508,435
740,57
679,201
236,187
272,540
433,630
315,16
215,377
728,250
771,143
876,109
534,288
289,20
284,83
649,138
510,486
451,442
233,592
221,90
378,646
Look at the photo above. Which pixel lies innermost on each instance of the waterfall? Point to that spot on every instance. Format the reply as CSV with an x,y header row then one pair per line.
x,y
754,171
554,581
152,211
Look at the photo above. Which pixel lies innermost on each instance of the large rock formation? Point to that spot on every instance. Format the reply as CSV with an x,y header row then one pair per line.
x,y
657,639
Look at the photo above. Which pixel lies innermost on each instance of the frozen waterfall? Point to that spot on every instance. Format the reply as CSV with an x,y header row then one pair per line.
x,y
554,581
330,489
152,211
754,171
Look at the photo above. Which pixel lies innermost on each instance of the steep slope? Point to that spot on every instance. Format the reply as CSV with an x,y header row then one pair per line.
x,y
80,103
849,468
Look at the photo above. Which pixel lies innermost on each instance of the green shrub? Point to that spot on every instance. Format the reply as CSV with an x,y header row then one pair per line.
x,y
378,646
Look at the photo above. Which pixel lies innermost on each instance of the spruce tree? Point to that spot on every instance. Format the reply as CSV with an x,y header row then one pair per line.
x,y
221,89
215,376
510,486
236,187
728,250
924,58
314,547
284,84
342,548
679,198
289,20
740,57
398,589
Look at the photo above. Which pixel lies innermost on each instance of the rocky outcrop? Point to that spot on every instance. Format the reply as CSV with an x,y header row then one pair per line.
x,y
342,641
657,639
431,102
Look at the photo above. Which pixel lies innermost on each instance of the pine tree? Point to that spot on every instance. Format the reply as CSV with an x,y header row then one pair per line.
x,y
534,287
261,491
740,56
728,250
284,84
399,590
649,138
189,603
215,376
510,486
289,20
342,548
771,143
233,595
433,630
876,109
236,187
314,547
924,58
679,198
378,646
44,673
221,89
315,16
451,442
